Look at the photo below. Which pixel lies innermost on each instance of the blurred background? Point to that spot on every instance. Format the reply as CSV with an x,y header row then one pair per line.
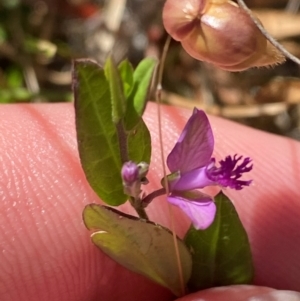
x,y
39,39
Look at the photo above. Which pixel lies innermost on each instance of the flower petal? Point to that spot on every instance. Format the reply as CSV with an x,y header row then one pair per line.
x,y
194,179
229,172
195,145
201,211
129,173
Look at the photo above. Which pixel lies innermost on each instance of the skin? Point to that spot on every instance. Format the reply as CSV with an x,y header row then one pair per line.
x,y
45,250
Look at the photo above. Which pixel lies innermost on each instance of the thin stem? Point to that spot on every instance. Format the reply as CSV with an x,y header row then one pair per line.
x,y
149,198
266,34
158,101
137,205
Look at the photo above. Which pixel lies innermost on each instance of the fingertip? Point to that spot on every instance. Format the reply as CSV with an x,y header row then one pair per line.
x,y
242,292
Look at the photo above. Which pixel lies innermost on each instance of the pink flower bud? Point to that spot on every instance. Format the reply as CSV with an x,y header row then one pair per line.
x,y
130,173
219,32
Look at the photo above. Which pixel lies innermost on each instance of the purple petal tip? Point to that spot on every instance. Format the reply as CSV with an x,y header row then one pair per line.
x,y
229,173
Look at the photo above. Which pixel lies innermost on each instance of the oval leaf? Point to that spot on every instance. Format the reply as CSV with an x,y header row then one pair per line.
x,y
221,254
98,143
139,245
136,102
139,143
118,101
126,73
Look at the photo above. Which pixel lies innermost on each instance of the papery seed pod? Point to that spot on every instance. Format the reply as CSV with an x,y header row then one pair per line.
x,y
219,32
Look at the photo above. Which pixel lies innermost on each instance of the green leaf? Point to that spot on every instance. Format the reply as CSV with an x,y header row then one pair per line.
x,y
3,34
138,138
142,77
21,94
97,137
126,73
140,246
138,97
14,77
40,47
221,254
10,4
6,96
139,143
118,100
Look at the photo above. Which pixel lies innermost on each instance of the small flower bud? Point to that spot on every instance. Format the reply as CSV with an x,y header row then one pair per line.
x,y
133,176
130,173
143,170
219,32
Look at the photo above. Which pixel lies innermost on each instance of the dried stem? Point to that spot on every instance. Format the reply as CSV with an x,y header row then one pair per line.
x,y
266,34
292,6
114,11
158,101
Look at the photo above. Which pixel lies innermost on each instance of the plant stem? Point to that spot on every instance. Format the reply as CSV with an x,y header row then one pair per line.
x,y
137,205
158,101
148,199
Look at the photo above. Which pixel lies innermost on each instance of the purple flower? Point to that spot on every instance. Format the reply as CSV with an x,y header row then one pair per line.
x,y
193,168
